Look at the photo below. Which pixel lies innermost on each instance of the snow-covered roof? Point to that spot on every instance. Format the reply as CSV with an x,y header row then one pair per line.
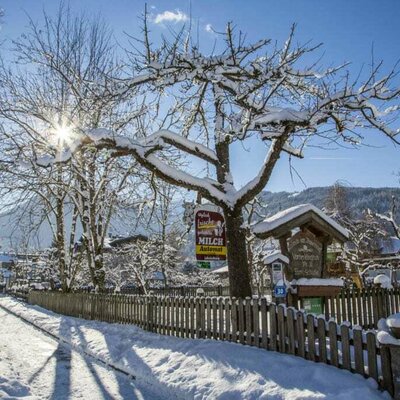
x,y
6,258
390,245
317,282
221,270
293,213
126,240
276,255
157,276
375,267
5,273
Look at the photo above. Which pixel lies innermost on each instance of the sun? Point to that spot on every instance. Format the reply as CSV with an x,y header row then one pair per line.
x,y
63,132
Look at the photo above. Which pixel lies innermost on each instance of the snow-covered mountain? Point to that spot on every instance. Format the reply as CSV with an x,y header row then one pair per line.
x,y
17,226
20,229
359,199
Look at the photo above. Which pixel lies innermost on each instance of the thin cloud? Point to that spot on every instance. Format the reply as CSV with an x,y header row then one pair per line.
x,y
330,158
170,16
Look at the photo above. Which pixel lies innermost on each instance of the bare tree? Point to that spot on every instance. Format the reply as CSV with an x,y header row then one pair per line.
x,y
253,212
391,217
165,226
144,262
336,202
366,231
44,109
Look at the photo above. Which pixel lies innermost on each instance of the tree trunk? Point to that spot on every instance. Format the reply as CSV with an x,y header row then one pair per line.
x,y
239,272
60,241
99,273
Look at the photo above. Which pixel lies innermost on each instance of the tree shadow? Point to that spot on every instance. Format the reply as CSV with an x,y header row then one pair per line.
x,y
62,379
39,371
62,390
126,386
235,359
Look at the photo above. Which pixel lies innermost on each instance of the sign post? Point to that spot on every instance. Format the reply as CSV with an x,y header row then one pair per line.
x,y
210,234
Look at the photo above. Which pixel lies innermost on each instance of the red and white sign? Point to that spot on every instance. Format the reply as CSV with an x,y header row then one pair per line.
x,y
210,233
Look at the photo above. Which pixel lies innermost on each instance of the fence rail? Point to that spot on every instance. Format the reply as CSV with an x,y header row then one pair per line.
x,y
170,291
363,307
253,322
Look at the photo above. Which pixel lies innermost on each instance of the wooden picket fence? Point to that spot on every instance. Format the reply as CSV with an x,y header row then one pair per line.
x,y
189,291
253,322
363,307
171,291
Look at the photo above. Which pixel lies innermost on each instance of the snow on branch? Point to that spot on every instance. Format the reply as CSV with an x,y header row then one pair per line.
x,y
182,143
247,89
254,79
143,151
252,188
391,217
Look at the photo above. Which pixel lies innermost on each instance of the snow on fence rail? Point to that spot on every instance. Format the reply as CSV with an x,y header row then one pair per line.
x,y
169,291
253,322
180,291
363,307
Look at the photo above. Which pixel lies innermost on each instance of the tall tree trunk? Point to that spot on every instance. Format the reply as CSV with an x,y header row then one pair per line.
x,y
60,245
238,264
60,233
239,271
99,273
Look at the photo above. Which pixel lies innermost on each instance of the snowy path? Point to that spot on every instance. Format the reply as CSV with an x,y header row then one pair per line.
x,y
35,366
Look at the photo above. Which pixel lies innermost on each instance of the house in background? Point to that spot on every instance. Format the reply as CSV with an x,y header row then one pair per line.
x,y
386,261
7,261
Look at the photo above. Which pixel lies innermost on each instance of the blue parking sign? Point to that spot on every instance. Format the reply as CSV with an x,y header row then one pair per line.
x,y
280,291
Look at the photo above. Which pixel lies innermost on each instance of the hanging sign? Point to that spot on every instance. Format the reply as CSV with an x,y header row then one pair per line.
x,y
210,233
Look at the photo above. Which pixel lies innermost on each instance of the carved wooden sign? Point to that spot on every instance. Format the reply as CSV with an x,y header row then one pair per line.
x,y
306,256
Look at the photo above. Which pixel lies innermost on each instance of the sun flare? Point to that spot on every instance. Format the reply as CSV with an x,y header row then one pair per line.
x,y
63,132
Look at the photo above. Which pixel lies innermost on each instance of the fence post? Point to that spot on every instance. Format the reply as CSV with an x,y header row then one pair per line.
x,y
381,309
389,339
390,354
149,319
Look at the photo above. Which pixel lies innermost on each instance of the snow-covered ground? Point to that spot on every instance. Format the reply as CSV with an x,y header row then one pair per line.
x,y
35,366
31,363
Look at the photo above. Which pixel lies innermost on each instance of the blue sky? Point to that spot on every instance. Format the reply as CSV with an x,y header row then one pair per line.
x,y
348,29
